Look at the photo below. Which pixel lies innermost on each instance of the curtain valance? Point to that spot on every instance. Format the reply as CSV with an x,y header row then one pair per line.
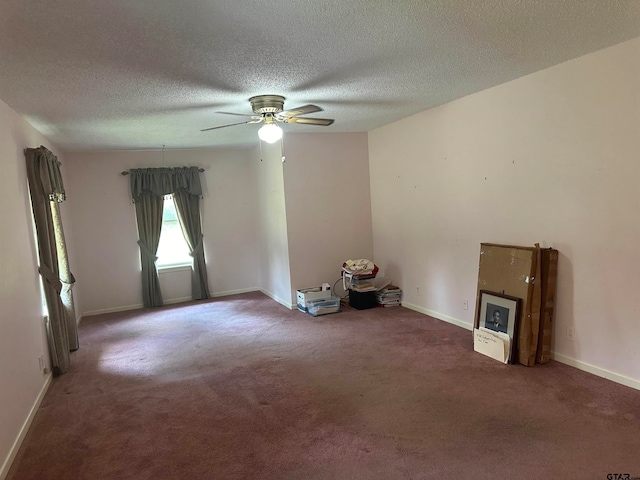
x,y
163,181
49,177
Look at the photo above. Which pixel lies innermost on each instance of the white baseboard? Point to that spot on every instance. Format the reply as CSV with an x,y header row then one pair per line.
x,y
600,372
112,310
137,306
572,362
166,302
439,316
4,471
177,300
290,306
234,292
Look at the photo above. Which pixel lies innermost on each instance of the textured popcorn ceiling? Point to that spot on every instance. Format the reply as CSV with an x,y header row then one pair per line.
x,y
135,74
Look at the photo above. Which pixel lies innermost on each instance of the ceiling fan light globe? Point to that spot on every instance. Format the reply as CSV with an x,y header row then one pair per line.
x,y
270,133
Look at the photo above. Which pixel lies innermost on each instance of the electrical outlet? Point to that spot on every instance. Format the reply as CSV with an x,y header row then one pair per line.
x,y
418,291
570,333
465,304
41,363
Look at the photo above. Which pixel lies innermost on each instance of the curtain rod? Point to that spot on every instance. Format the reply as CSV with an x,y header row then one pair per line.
x,y
126,172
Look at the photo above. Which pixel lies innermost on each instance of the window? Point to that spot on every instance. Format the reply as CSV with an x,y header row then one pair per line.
x,y
172,249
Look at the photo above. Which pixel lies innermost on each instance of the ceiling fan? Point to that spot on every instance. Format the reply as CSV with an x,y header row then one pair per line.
x,y
268,109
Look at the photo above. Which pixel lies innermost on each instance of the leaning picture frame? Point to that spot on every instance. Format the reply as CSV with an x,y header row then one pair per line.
x,y
500,313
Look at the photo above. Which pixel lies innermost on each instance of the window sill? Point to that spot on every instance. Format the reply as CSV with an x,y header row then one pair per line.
x,y
173,268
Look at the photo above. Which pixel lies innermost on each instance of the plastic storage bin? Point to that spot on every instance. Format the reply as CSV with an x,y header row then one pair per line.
x,y
322,307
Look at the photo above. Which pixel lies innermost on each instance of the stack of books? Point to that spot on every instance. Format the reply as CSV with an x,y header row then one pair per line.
x,y
389,296
367,284
362,285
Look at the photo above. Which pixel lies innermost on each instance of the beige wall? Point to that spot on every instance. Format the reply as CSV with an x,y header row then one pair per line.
x,y
105,232
328,204
549,158
23,337
275,273
255,213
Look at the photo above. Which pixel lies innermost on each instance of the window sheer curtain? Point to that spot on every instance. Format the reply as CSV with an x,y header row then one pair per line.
x,y
47,191
148,187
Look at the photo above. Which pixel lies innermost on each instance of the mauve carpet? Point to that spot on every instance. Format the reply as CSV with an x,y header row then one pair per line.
x,y
242,388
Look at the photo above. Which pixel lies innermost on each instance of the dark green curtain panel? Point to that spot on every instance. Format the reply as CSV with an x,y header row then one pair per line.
x,y
188,208
149,218
148,187
46,190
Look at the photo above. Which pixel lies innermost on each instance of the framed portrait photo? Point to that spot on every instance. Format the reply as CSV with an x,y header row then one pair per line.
x,y
500,313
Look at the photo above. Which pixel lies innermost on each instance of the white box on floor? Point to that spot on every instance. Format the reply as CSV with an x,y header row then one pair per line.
x,y
314,293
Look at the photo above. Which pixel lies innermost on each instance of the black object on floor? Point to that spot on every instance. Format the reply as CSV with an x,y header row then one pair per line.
x,y
362,300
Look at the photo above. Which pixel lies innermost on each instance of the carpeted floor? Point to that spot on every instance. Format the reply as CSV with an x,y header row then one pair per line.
x,y
242,388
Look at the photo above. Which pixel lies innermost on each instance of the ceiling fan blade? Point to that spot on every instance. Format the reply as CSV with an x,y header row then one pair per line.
x,y
230,125
237,114
303,110
310,121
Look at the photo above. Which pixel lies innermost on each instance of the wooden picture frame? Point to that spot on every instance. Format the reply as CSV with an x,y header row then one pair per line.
x,y
500,313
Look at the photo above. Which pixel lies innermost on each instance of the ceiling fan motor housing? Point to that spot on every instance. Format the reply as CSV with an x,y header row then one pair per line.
x,y
265,104
269,109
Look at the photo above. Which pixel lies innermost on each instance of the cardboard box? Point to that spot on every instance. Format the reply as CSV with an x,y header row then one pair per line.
x,y
314,293
512,270
536,310
549,275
